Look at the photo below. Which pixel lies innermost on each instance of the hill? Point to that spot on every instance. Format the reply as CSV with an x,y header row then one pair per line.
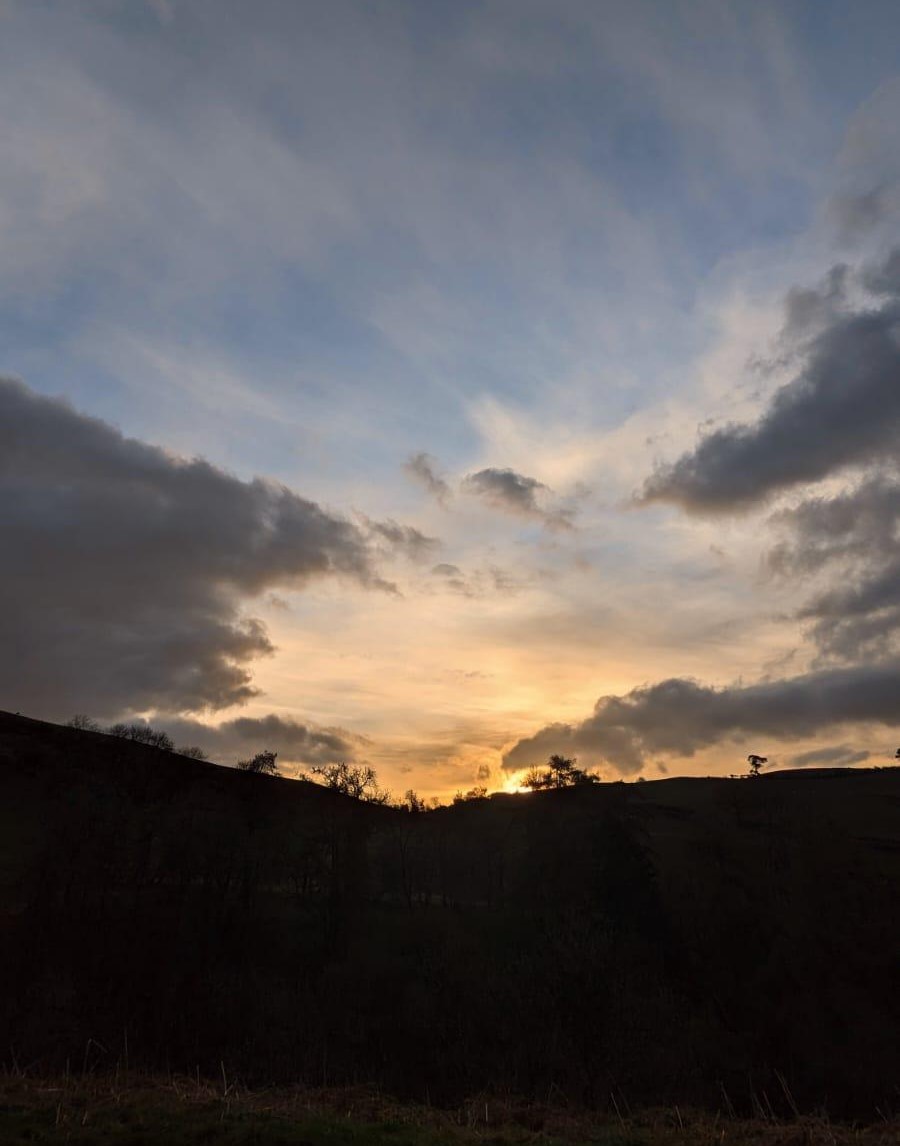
x,y
731,943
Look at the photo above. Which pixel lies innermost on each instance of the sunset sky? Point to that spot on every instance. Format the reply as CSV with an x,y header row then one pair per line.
x,y
440,385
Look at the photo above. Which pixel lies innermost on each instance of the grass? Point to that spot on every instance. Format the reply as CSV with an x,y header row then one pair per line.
x,y
190,1112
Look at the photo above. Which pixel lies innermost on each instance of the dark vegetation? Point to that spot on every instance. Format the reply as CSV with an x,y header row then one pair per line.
x,y
730,944
561,772
135,1110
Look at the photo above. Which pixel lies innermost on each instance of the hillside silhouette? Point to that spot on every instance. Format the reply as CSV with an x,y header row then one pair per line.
x,y
730,943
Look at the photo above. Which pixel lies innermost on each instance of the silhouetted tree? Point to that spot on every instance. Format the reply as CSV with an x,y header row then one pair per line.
x,y
560,772
756,762
412,801
143,734
360,782
192,752
84,723
263,763
478,793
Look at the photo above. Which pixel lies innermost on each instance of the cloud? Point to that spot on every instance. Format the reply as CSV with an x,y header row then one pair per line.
x,y
856,214
884,278
853,539
836,756
421,468
405,539
128,566
507,490
681,717
483,582
517,494
293,740
866,203
452,578
841,409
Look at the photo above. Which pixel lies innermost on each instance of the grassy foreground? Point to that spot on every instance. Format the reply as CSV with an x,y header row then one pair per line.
x,y
146,1111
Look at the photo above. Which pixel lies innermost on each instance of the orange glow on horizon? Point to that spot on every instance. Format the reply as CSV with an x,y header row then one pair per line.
x,y
513,784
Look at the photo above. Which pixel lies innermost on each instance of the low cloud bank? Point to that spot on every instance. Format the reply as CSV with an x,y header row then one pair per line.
x,y
294,741
680,717
839,755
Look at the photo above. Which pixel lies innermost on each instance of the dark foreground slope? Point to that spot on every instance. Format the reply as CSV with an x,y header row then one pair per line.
x,y
709,941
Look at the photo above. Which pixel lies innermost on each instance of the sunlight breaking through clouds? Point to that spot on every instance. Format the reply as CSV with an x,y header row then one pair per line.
x,y
496,358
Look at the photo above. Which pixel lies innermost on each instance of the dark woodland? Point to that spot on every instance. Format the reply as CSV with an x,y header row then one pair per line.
x,y
730,943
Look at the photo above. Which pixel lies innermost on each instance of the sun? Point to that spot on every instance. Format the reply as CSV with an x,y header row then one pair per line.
x,y
513,783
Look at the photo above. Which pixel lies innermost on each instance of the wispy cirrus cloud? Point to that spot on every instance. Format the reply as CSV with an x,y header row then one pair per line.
x,y
422,468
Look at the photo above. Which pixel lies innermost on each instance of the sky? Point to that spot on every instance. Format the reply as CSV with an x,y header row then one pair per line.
x,y
440,386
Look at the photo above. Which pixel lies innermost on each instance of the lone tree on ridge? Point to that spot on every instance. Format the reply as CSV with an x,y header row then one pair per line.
x,y
756,762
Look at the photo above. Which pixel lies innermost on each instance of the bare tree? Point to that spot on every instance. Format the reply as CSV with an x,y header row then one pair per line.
x,y
358,781
84,723
263,764
143,734
192,752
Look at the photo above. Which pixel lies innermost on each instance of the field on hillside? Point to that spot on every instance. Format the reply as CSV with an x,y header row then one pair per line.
x,y
724,944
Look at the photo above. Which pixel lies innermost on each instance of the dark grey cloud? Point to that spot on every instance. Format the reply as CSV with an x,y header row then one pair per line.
x,y
841,412
884,278
510,492
839,755
859,619
853,541
860,522
422,468
124,569
680,716
809,310
841,409
294,741
506,490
